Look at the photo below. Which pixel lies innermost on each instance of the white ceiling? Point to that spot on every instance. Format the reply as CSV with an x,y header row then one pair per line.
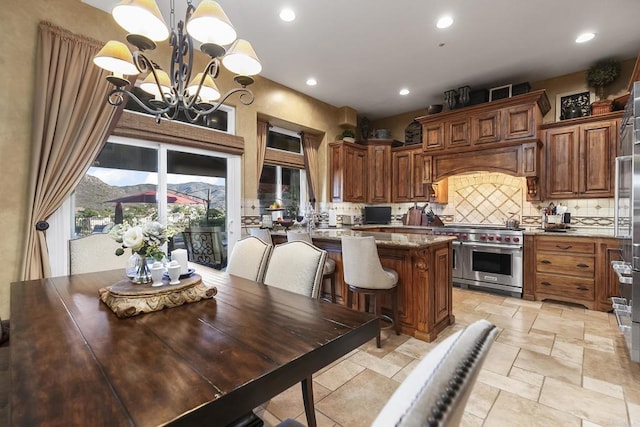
x,y
362,52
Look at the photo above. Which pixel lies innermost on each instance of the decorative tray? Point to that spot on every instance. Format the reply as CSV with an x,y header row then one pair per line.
x,y
127,299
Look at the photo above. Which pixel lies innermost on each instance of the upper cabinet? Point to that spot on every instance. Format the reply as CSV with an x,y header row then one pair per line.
x,y
410,167
580,156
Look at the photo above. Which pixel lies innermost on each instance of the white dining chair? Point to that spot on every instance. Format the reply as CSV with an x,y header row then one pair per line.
x,y
249,258
329,270
436,392
263,234
297,267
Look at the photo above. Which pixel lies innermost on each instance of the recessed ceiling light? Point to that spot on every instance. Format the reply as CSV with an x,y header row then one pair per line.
x,y
311,81
444,22
585,37
404,91
287,15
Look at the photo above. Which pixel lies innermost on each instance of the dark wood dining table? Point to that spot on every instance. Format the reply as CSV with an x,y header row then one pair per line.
x,y
74,363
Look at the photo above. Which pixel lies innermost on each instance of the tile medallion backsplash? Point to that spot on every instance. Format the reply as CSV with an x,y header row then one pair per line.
x,y
478,198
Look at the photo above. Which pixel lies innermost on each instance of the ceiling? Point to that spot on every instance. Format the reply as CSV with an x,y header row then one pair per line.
x,y
362,52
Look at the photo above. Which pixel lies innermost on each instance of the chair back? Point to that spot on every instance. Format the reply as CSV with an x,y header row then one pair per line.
x,y
205,247
249,258
294,236
96,252
296,267
439,386
263,234
361,263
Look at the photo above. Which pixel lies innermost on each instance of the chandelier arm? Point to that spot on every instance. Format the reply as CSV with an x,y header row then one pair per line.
x,y
246,98
116,97
212,70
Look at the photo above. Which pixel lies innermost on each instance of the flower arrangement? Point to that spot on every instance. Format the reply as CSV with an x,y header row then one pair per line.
x,y
144,239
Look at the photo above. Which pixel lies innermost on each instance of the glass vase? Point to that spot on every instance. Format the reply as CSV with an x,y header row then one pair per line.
x,y
142,274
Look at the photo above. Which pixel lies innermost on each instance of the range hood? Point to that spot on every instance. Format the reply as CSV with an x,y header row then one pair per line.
x,y
499,136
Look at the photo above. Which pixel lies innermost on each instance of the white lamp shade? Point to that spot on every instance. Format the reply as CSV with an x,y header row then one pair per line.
x,y
208,92
116,57
149,84
242,59
209,24
141,17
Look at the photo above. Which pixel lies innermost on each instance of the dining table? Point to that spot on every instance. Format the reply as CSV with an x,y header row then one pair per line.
x,y
73,362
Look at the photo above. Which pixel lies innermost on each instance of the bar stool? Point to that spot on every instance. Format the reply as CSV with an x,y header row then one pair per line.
x,y
364,274
329,271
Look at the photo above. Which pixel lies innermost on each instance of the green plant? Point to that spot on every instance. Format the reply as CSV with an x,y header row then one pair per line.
x,y
349,133
603,73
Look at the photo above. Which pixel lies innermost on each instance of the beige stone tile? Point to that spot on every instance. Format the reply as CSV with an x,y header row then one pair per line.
x,y
501,310
632,393
269,419
605,366
334,363
560,326
404,372
604,387
512,385
376,364
549,366
523,303
388,342
321,420
586,315
526,376
468,317
339,374
469,420
359,401
634,414
587,423
398,359
597,342
481,399
415,348
538,341
513,411
568,349
580,402
289,404
500,358
519,321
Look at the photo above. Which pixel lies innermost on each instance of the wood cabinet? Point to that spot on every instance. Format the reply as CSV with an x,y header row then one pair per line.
x,y
348,171
571,269
580,158
410,167
379,173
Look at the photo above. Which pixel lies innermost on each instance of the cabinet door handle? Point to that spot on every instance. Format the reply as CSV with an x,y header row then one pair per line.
x,y
564,248
582,288
582,265
545,283
545,261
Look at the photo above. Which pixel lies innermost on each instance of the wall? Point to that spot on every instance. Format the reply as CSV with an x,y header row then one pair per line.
x,y
18,41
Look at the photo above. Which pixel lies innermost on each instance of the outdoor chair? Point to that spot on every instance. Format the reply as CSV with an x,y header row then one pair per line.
x,y
205,247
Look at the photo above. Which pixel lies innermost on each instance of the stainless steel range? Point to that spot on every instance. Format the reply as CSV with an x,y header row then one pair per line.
x,y
486,256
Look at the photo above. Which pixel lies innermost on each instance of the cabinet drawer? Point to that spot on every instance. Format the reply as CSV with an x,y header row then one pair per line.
x,y
570,287
565,245
573,265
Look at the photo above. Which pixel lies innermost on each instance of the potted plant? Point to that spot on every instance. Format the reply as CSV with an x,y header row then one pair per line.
x,y
349,135
600,75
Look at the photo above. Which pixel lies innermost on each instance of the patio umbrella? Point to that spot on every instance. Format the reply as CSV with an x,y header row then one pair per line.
x,y
150,197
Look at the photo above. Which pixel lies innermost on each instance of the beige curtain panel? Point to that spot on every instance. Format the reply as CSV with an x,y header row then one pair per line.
x,y
261,142
70,124
310,144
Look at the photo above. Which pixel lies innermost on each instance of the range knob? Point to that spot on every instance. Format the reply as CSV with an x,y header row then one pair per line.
x,y
464,236
507,239
450,234
516,239
498,238
490,237
457,235
483,237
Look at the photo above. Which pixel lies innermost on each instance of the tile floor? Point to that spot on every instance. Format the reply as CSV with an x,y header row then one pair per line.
x,y
551,365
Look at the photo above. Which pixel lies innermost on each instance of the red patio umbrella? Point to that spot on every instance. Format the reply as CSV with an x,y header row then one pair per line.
x,y
150,197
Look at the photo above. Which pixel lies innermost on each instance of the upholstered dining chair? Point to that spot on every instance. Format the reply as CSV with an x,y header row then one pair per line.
x,y
436,392
297,267
329,270
262,233
364,274
249,258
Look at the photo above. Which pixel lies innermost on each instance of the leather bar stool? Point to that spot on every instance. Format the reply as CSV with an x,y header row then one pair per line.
x,y
364,274
329,271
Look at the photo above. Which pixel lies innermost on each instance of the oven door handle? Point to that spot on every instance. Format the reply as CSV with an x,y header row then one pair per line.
x,y
489,245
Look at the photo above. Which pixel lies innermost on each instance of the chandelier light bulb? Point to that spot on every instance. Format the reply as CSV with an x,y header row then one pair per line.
x,y
209,24
116,57
149,84
242,59
208,92
141,17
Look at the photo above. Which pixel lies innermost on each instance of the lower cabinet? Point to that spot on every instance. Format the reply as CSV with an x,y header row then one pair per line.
x,y
571,269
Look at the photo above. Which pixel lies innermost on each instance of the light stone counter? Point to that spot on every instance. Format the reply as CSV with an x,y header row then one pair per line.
x,y
401,240
573,232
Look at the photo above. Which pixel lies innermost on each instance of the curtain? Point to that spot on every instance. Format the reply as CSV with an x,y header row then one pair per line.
x,y
310,145
261,142
71,121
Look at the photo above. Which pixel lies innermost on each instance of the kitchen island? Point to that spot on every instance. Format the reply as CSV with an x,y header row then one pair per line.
x,y
423,263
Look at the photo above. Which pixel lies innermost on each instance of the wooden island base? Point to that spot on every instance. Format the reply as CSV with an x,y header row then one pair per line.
x,y
424,266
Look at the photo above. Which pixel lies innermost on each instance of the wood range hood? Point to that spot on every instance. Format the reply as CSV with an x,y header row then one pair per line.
x,y
498,136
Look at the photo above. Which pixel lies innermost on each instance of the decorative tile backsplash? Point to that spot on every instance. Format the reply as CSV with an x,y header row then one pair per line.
x,y
480,198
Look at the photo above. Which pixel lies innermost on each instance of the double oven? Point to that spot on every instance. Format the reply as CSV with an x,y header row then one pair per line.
x,y
486,257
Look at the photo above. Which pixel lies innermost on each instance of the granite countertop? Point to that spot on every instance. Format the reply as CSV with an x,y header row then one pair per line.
x,y
407,240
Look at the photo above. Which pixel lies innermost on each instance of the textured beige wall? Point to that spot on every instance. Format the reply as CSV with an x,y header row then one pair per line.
x,y
18,40
568,83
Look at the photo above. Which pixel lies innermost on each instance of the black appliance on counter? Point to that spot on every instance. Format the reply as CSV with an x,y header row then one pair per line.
x,y
377,215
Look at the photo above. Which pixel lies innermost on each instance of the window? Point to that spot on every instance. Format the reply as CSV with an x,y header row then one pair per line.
x,y
285,140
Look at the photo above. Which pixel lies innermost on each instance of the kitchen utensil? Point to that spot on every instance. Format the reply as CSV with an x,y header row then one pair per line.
x,y
512,223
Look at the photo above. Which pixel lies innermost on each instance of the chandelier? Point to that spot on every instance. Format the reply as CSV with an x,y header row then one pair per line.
x,y
177,91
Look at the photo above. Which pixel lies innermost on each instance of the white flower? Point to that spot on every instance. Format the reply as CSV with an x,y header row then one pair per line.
x,y
133,238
